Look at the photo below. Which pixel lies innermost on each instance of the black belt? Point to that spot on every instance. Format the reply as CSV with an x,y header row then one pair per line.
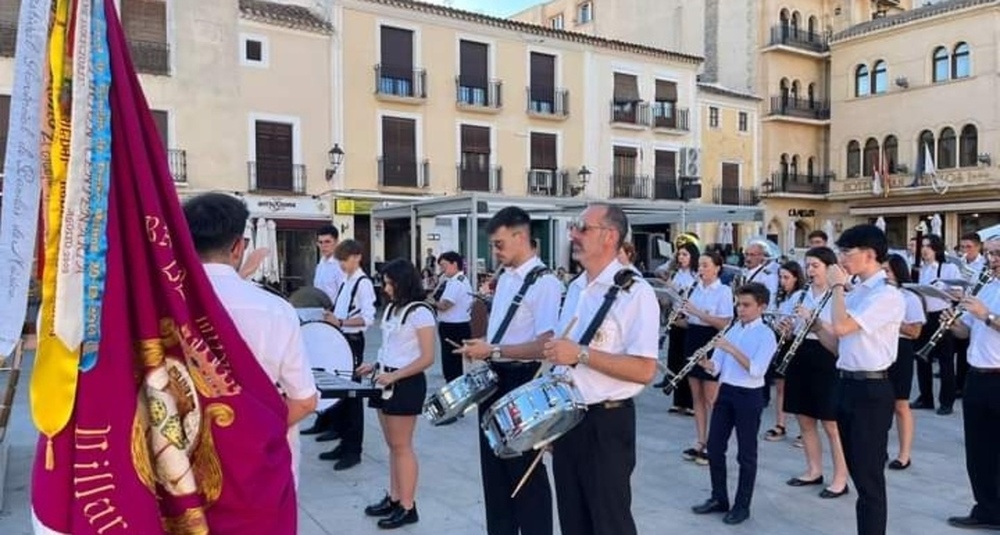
x,y
862,376
512,365
984,371
354,335
611,404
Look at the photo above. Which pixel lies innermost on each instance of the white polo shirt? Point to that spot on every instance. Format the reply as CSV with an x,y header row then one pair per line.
x,y
400,345
538,311
716,299
631,327
930,273
328,276
878,308
458,292
984,346
810,301
756,341
914,310
683,279
363,305
270,327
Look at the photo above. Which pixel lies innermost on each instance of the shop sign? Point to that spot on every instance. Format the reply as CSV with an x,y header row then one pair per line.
x,y
353,207
285,207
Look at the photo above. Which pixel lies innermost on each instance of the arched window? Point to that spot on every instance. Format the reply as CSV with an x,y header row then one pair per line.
x,y
784,167
890,151
960,67
812,96
968,147
853,159
812,29
940,64
946,149
871,157
925,144
861,83
796,23
784,93
811,168
880,78
795,165
796,90
783,16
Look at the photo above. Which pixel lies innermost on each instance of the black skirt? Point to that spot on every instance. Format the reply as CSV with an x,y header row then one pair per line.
x,y
407,398
810,381
901,371
697,337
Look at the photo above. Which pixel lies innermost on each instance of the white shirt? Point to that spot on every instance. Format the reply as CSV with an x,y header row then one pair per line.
x,y
766,274
684,278
631,327
538,311
984,346
328,276
810,302
716,299
400,345
929,274
975,266
363,305
458,292
270,327
756,341
914,309
878,308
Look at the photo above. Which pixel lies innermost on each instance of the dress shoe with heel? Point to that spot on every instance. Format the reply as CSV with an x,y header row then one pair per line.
x,y
399,518
347,461
711,505
384,507
737,516
971,522
332,455
945,410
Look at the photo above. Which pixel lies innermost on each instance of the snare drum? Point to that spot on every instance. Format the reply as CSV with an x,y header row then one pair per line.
x,y
459,396
327,350
533,415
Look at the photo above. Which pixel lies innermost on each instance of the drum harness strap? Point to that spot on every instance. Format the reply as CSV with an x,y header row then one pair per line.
x,y
351,308
529,280
624,280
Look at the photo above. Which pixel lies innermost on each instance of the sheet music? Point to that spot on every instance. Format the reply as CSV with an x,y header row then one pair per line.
x,y
310,314
930,291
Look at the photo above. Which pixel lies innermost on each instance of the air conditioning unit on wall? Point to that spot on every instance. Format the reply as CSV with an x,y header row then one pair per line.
x,y
691,162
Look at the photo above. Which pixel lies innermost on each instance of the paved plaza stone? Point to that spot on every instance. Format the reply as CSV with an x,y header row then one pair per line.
x,y
664,485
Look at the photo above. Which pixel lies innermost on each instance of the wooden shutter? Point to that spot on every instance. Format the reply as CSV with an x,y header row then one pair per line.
x,y
474,64
162,118
666,91
399,139
730,176
625,160
626,88
665,164
397,52
274,156
543,151
543,77
145,20
475,139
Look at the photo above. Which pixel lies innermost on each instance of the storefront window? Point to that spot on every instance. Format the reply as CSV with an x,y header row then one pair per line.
x,y
896,232
972,222
297,256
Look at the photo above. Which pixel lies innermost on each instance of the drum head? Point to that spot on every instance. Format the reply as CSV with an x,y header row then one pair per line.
x,y
327,348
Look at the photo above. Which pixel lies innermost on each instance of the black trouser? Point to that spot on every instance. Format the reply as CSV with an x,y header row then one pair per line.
x,y
530,513
738,408
350,413
592,466
981,413
961,362
451,364
864,414
944,353
675,361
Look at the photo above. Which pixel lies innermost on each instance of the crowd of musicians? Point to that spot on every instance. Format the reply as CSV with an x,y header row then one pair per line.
x,y
836,335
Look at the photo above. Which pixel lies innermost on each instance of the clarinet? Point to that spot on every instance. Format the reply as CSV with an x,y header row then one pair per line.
x,y
675,313
698,356
801,335
983,279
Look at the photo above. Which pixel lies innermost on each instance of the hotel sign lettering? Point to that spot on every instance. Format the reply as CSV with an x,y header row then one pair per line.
x,y
958,177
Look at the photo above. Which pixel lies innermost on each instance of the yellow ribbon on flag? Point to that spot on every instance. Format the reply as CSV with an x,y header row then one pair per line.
x,y
54,379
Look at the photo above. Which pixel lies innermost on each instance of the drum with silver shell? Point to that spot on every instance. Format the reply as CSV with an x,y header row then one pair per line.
x,y
459,396
533,415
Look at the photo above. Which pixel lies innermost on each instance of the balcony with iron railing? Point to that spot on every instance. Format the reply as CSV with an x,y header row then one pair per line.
x,y
630,187
400,83
150,57
666,115
479,178
487,97
276,176
403,172
798,183
633,114
8,38
177,158
736,196
800,108
797,38
667,188
549,183
553,104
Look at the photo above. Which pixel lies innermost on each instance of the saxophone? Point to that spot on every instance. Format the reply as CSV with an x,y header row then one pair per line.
x,y
801,335
699,355
985,277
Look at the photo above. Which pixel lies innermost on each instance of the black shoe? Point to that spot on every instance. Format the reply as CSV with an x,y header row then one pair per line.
x,y
827,493
945,410
799,482
384,507
399,518
332,455
711,505
896,464
312,430
919,405
328,436
347,461
971,522
737,516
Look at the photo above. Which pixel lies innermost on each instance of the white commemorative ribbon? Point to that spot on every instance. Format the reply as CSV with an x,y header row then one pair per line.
x,y
69,281
22,171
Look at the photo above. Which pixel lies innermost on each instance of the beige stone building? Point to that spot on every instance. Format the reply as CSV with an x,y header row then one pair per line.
x,y
918,84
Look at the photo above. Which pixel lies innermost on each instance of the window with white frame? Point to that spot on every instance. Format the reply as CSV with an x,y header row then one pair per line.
x,y
557,22
713,117
253,50
584,13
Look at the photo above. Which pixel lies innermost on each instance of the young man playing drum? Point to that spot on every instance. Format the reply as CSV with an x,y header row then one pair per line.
x,y
514,344
593,462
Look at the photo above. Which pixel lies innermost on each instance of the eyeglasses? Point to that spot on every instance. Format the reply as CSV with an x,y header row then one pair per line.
x,y
581,227
994,254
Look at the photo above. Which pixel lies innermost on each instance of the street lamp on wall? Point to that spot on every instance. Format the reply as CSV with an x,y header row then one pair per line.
x,y
583,176
335,157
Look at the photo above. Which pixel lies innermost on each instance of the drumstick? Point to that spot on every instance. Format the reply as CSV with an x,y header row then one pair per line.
x,y
524,478
565,333
453,343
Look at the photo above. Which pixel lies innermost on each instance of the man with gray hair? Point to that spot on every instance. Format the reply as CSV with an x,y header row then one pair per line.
x,y
610,355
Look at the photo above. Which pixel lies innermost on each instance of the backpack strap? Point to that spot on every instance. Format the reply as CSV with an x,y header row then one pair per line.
x,y
624,280
529,280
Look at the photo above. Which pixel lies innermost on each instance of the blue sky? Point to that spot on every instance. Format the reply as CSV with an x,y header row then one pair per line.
x,y
499,8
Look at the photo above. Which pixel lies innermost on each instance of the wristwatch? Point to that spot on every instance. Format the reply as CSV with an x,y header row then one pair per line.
x,y
991,319
583,357
495,352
